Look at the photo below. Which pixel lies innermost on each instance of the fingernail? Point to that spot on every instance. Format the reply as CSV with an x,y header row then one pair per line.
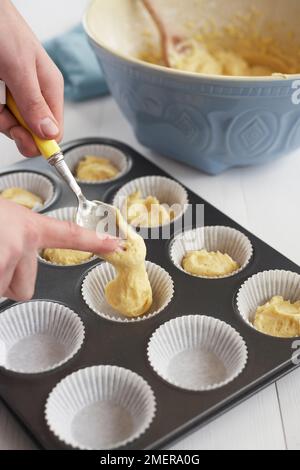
x,y
103,237
48,127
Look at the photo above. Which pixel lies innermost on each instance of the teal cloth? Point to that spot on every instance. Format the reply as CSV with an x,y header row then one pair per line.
x,y
76,60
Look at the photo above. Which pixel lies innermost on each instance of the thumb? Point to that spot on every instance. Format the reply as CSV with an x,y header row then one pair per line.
x,y
32,105
57,234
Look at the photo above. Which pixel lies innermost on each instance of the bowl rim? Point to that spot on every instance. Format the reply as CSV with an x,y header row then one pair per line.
x,y
277,77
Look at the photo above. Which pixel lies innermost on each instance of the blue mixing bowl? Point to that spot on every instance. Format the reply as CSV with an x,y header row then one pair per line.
x,y
210,122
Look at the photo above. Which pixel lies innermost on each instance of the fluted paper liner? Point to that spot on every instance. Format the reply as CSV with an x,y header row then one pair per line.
x,y
214,238
35,183
121,161
167,191
67,214
101,407
197,353
262,287
38,336
93,291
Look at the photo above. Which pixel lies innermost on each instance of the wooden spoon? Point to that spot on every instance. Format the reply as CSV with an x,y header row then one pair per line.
x,y
171,44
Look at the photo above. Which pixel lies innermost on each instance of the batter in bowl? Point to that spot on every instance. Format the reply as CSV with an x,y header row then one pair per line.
x,y
130,293
198,58
279,318
236,49
22,197
209,264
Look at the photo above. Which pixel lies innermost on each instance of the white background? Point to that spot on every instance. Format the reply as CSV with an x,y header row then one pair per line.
x,y
265,200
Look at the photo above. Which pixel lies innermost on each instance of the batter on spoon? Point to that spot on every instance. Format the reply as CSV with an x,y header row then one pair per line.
x,y
130,293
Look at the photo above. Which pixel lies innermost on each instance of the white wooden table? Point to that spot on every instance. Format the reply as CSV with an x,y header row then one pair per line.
x,y
264,200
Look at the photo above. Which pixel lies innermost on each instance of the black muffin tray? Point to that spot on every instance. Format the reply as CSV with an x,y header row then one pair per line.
x,y
125,344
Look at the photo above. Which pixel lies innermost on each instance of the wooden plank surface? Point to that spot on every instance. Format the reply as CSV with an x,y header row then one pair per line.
x,y
254,425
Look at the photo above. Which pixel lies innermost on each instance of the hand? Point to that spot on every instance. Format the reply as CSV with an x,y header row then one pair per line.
x,y
34,81
23,233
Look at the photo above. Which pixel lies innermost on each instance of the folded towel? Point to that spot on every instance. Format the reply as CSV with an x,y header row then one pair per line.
x,y
76,60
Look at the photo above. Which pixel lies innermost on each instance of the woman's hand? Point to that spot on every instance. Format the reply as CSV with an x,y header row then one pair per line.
x,y
23,233
34,81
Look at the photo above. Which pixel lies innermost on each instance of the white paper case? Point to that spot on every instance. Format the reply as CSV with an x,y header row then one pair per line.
x,y
167,191
197,353
93,291
38,336
102,407
121,161
64,214
216,238
260,288
37,184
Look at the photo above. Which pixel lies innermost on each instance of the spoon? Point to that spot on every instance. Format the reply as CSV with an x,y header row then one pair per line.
x,y
172,45
90,214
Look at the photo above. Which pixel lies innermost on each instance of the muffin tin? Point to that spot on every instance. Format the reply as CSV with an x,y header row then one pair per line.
x,y
158,358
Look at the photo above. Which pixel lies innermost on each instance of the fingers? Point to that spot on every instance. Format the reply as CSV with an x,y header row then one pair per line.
x,y
40,99
7,269
24,142
18,251
10,127
57,234
35,110
23,233
7,121
34,81
32,105
22,284
52,87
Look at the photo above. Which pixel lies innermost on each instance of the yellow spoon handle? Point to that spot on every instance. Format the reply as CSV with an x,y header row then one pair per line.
x,y
48,148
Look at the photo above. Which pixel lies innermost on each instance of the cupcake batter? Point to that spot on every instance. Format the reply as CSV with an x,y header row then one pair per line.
x,y
209,264
130,293
199,59
147,212
279,318
95,169
22,197
238,48
65,257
